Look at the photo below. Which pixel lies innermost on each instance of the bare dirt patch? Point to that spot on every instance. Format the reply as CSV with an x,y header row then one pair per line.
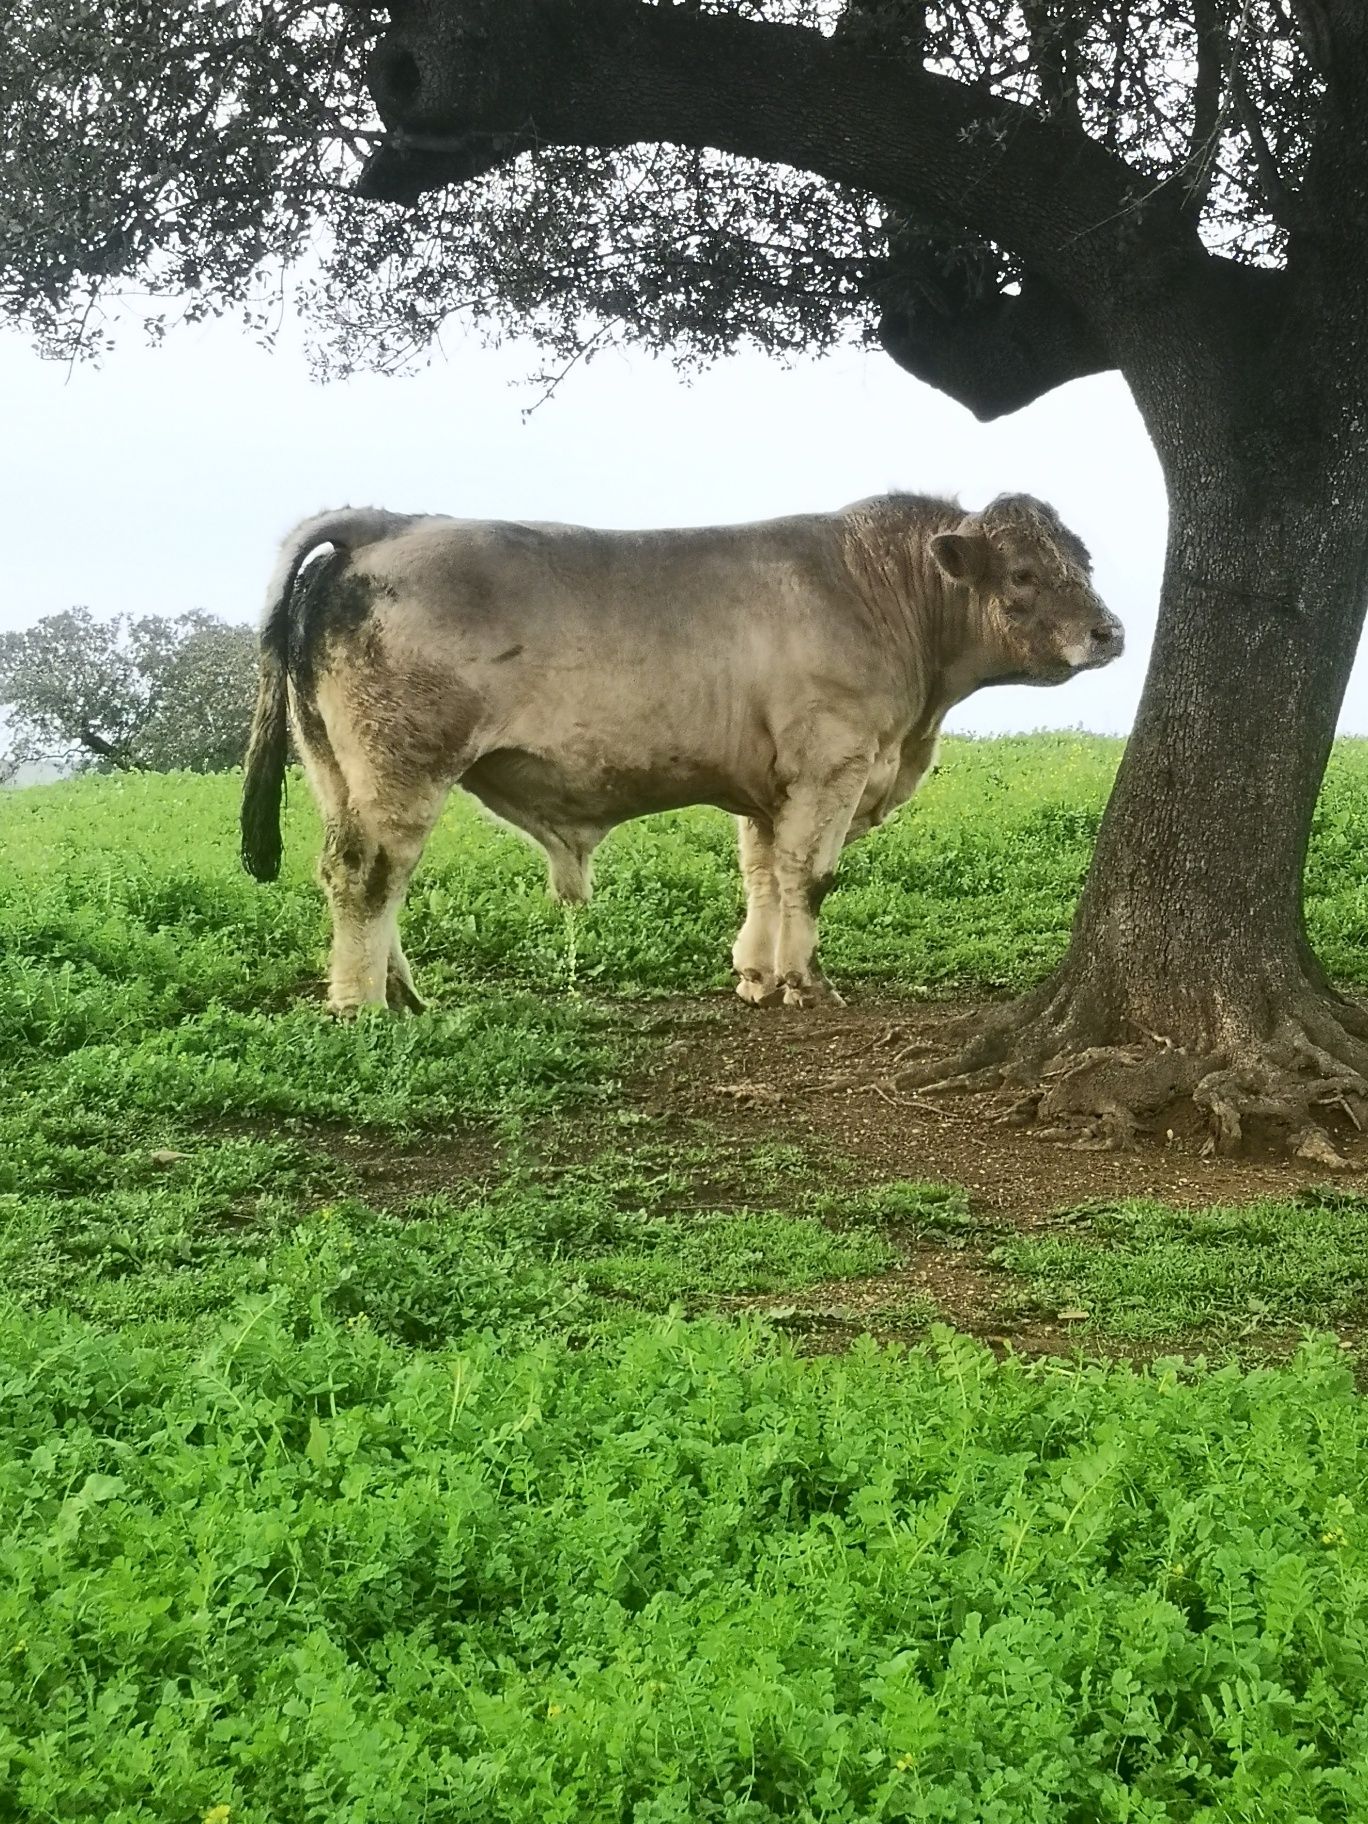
x,y
770,1073
391,1172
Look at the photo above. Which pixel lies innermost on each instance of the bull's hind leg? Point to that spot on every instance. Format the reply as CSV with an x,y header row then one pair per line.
x,y
366,867
755,952
810,831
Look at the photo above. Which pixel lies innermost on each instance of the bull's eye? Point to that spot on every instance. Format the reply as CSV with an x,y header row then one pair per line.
x,y
1022,579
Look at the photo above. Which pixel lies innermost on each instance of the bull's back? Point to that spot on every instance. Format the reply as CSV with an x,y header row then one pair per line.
x,y
617,626
557,582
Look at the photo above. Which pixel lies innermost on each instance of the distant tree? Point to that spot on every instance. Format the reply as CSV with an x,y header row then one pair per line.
x,y
157,693
1005,194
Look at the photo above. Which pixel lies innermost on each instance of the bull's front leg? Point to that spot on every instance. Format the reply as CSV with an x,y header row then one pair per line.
x,y
809,833
755,952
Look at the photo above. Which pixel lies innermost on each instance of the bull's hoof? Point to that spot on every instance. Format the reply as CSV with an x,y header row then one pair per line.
x,y
814,993
758,990
352,1010
402,997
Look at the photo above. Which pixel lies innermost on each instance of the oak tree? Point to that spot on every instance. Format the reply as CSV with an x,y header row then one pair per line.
x,y
159,693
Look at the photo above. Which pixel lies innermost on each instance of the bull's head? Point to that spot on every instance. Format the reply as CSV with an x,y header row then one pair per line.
x,y
1038,618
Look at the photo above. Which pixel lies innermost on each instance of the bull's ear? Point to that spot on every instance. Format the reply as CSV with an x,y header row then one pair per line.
x,y
963,556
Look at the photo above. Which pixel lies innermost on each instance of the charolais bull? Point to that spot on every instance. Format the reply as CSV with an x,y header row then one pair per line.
x,y
794,672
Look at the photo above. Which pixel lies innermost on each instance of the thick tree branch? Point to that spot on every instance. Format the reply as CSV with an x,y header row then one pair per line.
x,y
1334,190
1281,201
1314,28
993,354
1330,30
96,744
1206,107
1334,39
487,78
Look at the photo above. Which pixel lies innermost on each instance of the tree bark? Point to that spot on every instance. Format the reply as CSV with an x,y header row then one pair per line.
x,y
1190,924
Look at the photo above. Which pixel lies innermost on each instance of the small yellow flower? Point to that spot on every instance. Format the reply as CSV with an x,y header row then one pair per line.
x,y
905,1763
554,1709
218,1814
20,1646
1334,1536
1177,1570
358,1321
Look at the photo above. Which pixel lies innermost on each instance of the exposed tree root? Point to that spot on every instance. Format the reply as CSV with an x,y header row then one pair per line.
x,y
1079,1082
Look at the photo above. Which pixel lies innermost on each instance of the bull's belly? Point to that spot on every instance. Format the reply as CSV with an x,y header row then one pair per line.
x,y
564,794
577,796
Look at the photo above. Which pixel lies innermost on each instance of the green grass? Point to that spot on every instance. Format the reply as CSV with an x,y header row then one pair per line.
x,y
720,1255
1143,1269
123,904
307,1573
466,1508
168,1238
500,1056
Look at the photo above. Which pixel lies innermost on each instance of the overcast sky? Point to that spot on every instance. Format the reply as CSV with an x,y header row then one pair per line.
x,y
163,479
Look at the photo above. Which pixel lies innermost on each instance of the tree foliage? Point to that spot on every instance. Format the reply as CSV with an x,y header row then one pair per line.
x,y
159,693
190,149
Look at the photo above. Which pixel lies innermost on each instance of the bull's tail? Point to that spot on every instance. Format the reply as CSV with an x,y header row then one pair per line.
x,y
267,746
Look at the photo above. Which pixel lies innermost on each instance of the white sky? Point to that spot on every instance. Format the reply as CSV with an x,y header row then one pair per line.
x,y
162,480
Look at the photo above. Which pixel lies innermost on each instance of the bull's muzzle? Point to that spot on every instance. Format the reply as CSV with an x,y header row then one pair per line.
x,y
1106,641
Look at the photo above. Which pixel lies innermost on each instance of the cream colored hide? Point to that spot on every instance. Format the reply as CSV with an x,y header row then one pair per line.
x,y
793,672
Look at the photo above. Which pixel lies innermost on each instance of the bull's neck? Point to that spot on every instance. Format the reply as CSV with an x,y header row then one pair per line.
x,y
944,646
960,652
931,629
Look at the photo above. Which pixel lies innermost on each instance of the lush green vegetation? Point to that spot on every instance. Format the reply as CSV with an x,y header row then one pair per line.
x,y
485,1499
1144,1269
305,1572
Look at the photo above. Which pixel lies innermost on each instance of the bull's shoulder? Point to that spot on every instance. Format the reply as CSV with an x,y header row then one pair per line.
x,y
899,514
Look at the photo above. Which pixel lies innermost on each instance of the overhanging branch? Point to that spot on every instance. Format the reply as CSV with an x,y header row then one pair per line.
x,y
488,78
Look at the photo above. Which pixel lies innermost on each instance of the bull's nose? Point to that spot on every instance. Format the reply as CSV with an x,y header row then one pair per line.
x,y
1108,639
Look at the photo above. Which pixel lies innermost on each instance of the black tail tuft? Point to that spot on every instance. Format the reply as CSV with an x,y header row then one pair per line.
x,y
264,767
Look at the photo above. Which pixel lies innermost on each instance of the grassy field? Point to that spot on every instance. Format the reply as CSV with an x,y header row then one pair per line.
x,y
401,1423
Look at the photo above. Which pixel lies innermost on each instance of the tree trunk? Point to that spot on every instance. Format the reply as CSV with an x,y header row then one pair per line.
x,y
1189,974
1190,924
